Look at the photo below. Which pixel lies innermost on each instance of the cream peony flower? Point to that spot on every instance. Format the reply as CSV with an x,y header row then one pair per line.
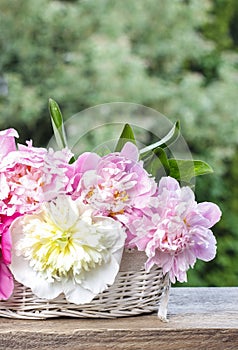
x,y
63,248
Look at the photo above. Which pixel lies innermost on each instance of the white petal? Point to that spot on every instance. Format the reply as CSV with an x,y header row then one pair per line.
x,y
77,294
97,280
63,211
24,274
113,231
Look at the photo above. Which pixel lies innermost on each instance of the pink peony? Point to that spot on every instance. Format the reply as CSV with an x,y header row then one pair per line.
x,y
178,232
114,183
31,175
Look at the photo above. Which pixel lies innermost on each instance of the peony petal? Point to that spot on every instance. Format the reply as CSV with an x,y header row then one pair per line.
x,y
181,276
205,245
86,161
169,184
44,289
89,179
97,280
7,141
63,211
6,282
24,274
194,218
130,151
8,133
187,196
77,294
210,211
6,246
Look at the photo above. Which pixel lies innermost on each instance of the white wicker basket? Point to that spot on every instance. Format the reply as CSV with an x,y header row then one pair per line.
x,y
134,292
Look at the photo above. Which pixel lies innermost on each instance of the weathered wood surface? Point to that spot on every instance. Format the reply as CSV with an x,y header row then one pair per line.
x,y
199,318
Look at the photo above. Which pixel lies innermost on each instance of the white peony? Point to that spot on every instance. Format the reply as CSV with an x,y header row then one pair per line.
x,y
63,248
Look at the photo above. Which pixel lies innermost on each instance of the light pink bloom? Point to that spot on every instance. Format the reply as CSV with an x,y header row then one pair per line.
x,y
31,175
114,183
178,232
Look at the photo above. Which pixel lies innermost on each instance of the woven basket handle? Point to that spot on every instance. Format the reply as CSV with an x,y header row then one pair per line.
x,y
163,306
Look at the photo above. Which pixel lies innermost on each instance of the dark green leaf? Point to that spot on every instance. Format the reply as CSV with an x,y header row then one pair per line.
x,y
156,161
72,160
185,170
126,135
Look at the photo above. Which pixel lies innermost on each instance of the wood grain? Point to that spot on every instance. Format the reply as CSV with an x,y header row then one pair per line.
x,y
199,318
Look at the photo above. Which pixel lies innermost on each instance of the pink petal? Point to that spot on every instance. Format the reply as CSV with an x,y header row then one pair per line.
x,y
7,141
6,282
206,250
6,246
168,183
130,151
194,218
210,211
8,133
86,161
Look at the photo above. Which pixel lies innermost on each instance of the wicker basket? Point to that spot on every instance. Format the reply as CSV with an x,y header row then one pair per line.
x,y
134,292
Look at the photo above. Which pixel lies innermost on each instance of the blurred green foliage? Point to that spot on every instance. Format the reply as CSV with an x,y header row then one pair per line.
x,y
179,57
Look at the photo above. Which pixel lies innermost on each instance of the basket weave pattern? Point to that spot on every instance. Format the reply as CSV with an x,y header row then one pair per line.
x,y
134,292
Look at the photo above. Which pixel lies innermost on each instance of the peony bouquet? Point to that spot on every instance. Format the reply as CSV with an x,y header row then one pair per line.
x,y
66,220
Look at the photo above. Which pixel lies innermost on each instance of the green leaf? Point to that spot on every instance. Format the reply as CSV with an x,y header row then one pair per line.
x,y
156,161
170,138
57,123
126,135
185,170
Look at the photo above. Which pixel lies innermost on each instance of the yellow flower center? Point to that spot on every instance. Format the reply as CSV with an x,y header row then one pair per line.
x,y
59,252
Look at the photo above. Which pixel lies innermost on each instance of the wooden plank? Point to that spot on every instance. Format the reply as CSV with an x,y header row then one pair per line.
x,y
199,318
